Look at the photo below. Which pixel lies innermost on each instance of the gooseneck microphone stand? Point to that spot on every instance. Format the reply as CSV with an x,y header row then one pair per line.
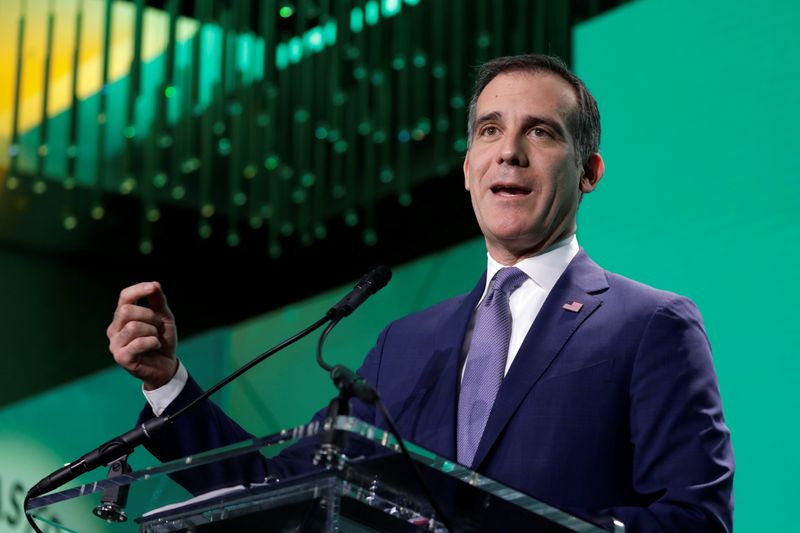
x,y
351,385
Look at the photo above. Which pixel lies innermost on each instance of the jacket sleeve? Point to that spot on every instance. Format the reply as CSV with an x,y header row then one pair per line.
x,y
203,428
206,427
682,454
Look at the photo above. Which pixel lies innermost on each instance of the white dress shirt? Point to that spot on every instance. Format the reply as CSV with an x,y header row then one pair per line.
x,y
543,271
161,397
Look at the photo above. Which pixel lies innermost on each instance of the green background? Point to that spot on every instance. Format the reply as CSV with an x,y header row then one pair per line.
x,y
701,148
699,106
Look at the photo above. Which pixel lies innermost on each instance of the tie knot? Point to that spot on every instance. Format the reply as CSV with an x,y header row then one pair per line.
x,y
508,279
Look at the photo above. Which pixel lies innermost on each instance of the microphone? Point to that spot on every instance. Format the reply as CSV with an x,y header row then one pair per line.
x,y
368,285
105,454
352,385
348,382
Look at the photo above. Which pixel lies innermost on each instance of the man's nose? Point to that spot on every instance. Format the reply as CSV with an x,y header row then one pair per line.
x,y
513,151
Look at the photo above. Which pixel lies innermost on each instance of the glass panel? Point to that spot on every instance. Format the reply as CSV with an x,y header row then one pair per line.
x,y
356,481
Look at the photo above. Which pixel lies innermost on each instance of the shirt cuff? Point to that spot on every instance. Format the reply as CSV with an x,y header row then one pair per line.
x,y
161,397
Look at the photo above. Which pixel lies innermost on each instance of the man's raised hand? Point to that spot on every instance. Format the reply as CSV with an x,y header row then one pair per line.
x,y
143,339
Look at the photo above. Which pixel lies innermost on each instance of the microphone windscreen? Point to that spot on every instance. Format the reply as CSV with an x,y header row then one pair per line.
x,y
379,277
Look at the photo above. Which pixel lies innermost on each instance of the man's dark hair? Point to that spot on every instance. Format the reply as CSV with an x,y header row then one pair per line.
x,y
584,123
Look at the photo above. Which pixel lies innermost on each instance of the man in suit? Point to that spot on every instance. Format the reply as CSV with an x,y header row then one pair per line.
x,y
554,376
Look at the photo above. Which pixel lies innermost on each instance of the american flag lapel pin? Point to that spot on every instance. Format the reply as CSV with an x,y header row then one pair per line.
x,y
572,306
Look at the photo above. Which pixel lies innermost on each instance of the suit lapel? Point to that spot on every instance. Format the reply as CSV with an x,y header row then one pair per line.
x,y
552,328
442,387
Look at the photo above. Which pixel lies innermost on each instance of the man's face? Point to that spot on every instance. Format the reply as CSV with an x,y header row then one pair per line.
x,y
521,169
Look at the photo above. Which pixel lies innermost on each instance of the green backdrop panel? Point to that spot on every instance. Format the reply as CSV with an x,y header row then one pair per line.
x,y
699,106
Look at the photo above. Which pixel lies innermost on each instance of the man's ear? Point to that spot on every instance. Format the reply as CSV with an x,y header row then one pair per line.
x,y
466,171
593,170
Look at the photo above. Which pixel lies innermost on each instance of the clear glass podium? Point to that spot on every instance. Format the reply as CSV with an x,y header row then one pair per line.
x,y
357,482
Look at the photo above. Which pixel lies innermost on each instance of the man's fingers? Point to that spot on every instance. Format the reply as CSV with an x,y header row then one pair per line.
x,y
141,345
157,300
130,313
127,316
133,293
133,330
130,356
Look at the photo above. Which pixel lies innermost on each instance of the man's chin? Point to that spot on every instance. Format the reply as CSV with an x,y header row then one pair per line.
x,y
511,248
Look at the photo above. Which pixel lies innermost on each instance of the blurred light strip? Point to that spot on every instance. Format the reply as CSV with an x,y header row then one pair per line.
x,y
318,38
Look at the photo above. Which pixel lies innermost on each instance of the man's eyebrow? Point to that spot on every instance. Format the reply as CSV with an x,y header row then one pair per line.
x,y
488,117
528,122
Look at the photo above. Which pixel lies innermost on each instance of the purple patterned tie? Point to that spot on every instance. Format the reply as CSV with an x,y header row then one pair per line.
x,y
486,361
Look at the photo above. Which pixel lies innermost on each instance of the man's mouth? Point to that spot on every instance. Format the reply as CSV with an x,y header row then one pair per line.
x,y
510,190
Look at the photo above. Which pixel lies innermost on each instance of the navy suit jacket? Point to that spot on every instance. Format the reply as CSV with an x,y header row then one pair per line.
x,y
613,409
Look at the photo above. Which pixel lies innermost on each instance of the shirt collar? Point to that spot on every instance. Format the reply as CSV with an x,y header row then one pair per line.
x,y
544,268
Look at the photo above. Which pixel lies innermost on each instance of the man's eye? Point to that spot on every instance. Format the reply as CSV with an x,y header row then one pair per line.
x,y
489,130
540,132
